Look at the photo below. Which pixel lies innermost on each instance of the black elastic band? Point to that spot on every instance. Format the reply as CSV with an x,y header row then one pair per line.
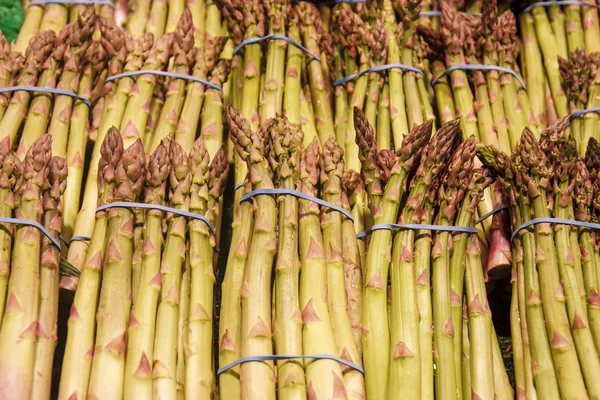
x,y
493,212
377,68
416,227
247,42
164,73
559,221
183,213
558,3
300,195
439,14
478,67
35,224
581,113
280,358
60,92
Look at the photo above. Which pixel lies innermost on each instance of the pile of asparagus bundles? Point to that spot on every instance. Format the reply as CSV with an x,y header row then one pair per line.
x,y
147,107
30,191
158,342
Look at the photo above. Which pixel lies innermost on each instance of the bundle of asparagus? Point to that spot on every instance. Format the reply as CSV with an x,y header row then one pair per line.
x,y
54,16
554,299
550,33
140,345
30,268
310,314
149,109
445,187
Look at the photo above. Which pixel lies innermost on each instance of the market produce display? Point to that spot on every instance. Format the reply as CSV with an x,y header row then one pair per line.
x,y
261,199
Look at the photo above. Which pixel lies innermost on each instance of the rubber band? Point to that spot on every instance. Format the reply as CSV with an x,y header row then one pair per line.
x,y
35,224
439,14
558,3
164,73
559,221
277,357
581,113
238,187
61,92
300,195
479,67
182,213
377,68
80,239
416,227
73,2
493,212
247,42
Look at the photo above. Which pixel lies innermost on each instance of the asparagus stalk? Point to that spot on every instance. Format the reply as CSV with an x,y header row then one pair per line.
x,y
284,158
164,369
293,69
208,184
378,46
583,196
7,71
591,27
108,366
11,175
175,11
311,29
183,44
142,321
211,126
137,17
352,183
157,19
198,9
376,342
29,29
323,377
18,333
55,17
79,348
37,53
332,167
257,379
94,65
49,278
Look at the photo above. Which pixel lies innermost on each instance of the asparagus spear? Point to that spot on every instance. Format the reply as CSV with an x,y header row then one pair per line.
x,y
142,321
284,157
378,46
352,183
576,76
49,278
7,71
332,167
18,333
108,366
29,29
257,378
79,349
375,324
11,176
323,377
164,369
175,11
157,19
208,184
311,29
94,65
137,17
